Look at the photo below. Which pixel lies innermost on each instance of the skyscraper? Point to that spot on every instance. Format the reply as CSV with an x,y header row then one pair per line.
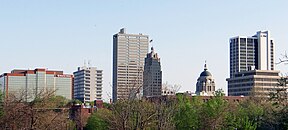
x,y
33,82
247,53
252,65
88,84
152,78
129,51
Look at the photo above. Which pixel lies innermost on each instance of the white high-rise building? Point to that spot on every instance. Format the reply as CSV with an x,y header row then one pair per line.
x,y
252,65
88,84
129,51
251,52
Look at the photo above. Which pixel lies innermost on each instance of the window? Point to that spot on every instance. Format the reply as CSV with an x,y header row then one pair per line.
x,y
242,40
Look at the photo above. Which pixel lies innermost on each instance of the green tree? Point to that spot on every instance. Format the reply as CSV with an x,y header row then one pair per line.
x,y
279,100
187,113
219,93
75,101
57,101
97,120
91,103
213,113
250,114
106,105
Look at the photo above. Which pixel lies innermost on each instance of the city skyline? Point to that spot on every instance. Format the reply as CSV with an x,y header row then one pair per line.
x,y
68,32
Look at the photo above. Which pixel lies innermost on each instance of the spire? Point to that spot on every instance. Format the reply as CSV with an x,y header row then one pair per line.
x,y
205,66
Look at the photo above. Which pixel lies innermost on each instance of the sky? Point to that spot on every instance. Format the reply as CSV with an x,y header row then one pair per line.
x,y
61,35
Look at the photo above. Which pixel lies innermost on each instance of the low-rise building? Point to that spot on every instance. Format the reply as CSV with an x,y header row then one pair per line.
x,y
29,83
259,82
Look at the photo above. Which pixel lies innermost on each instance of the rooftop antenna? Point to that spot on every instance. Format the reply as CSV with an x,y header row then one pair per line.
x,y
89,63
150,42
84,63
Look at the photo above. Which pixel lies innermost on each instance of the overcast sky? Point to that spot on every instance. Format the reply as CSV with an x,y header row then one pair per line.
x,y
61,34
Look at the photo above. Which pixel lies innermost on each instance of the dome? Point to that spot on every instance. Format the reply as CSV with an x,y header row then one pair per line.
x,y
205,73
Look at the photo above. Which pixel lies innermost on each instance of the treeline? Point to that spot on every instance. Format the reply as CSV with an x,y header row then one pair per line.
x,y
47,111
192,113
44,112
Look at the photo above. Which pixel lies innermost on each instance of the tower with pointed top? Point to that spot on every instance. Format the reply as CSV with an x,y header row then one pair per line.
x,y
152,75
205,83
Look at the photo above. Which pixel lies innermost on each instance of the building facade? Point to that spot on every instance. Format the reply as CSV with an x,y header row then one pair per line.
x,y
129,51
252,65
152,77
88,82
257,82
32,82
205,85
167,91
248,53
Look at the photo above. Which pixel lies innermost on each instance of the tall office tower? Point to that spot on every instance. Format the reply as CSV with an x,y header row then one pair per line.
x,y
248,53
152,77
252,65
129,51
32,82
88,84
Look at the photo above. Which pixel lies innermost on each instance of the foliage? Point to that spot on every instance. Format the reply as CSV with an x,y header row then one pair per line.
x,y
91,103
214,111
187,114
57,102
48,111
219,92
249,114
279,100
190,113
106,105
133,114
45,111
75,101
96,120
